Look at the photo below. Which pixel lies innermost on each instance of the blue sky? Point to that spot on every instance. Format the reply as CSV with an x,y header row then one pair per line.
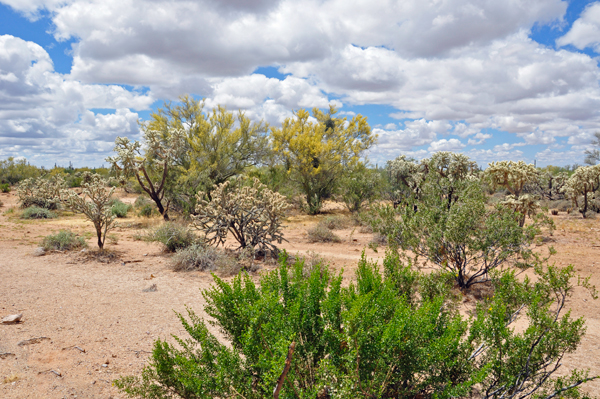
x,y
517,79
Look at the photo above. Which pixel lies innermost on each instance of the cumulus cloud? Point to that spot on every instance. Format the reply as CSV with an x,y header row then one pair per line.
x,y
44,114
585,31
450,68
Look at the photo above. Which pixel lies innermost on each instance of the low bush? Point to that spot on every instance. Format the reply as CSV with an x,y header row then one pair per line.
x,y
119,209
395,333
142,201
35,212
202,257
5,188
64,240
172,235
320,233
336,222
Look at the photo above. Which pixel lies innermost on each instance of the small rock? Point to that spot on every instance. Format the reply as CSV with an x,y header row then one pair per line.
x,y
4,355
12,319
30,341
105,365
152,288
39,251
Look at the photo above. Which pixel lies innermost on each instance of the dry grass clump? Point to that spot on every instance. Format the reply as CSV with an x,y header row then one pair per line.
x,y
336,222
320,233
174,236
35,212
202,257
64,240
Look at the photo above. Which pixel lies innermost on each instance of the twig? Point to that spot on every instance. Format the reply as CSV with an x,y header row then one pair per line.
x,y
58,374
137,353
286,368
74,347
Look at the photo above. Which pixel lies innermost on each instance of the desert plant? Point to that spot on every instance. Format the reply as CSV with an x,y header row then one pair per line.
x,y
247,209
467,239
35,212
64,240
41,192
119,208
360,186
201,257
391,334
316,154
172,235
93,203
513,176
5,188
583,183
320,233
336,222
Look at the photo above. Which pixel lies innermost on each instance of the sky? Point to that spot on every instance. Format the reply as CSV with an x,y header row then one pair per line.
x,y
496,80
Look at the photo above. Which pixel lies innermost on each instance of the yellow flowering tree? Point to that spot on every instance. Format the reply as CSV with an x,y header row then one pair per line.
x,y
317,152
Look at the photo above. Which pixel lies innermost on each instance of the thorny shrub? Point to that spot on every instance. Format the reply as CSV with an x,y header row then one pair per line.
x,y
247,209
390,334
582,186
94,203
41,192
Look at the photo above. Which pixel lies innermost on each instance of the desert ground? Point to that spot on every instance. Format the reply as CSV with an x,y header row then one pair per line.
x,y
95,321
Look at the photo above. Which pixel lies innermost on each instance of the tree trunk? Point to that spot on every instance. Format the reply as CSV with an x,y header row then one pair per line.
x,y
99,234
585,204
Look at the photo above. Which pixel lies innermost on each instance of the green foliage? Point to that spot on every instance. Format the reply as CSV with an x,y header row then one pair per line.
x,y
35,212
64,240
119,208
360,187
173,236
5,188
13,171
321,233
317,154
391,334
463,237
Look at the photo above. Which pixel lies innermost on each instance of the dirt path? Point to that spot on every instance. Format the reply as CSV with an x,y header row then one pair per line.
x,y
100,323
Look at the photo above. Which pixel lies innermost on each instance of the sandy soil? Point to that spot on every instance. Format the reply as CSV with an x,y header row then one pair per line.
x,y
98,323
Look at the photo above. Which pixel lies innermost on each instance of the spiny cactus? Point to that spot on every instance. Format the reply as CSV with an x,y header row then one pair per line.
x,y
247,209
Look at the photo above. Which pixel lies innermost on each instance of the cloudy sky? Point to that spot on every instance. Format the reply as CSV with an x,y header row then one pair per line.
x,y
495,79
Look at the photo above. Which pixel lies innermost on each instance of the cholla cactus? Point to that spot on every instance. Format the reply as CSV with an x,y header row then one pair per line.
x,y
41,192
583,183
251,212
450,165
525,205
159,153
551,186
93,202
513,176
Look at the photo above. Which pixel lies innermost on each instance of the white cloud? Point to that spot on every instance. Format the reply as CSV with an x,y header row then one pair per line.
x,y
45,115
585,31
446,145
479,138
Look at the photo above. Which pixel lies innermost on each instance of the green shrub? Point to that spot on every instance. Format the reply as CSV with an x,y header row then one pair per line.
x,y
201,257
35,212
64,240
173,236
5,188
119,208
147,211
390,334
320,233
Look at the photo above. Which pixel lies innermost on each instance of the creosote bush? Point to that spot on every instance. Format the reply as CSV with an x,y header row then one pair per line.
x,y
119,208
247,209
64,240
5,188
35,212
172,235
393,333
320,233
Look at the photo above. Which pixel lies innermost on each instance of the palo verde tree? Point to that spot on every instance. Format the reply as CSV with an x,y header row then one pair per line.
x,y
582,185
316,154
217,146
94,203
151,161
